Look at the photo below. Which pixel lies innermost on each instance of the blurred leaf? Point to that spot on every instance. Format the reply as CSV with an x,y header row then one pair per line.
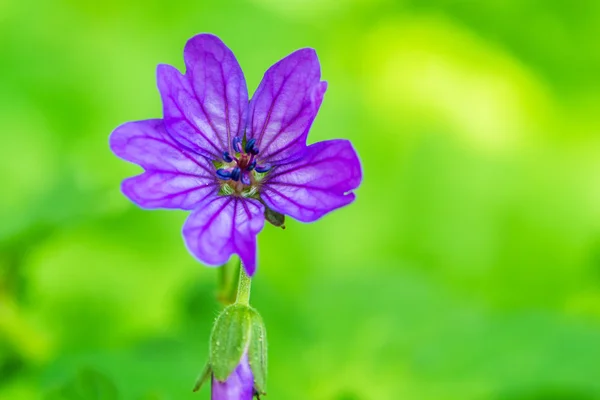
x,y
87,385
477,125
550,392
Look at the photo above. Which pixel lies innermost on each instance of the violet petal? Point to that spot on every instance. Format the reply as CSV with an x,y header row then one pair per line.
x,y
173,177
316,184
285,105
205,108
222,226
238,386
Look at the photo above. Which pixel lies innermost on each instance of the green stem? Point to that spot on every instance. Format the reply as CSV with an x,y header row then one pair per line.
x,y
244,283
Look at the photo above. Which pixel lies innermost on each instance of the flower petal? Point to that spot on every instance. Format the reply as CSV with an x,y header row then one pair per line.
x,y
222,226
316,184
205,108
285,105
239,385
173,177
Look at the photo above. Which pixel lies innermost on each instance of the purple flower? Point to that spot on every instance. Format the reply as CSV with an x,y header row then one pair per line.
x,y
238,386
227,159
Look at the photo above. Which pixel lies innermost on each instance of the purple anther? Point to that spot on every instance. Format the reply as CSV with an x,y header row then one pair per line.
x,y
246,178
263,168
235,174
249,145
237,144
227,157
223,174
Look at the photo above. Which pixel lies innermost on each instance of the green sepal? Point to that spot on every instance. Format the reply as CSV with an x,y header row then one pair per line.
x,y
229,339
204,375
257,353
274,217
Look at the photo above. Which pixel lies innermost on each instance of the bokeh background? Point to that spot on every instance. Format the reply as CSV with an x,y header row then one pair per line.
x,y
468,268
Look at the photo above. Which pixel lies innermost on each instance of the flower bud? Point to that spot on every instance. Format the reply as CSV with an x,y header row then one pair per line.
x,y
275,218
238,354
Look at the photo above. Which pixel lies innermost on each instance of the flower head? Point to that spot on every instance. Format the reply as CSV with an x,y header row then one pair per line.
x,y
229,159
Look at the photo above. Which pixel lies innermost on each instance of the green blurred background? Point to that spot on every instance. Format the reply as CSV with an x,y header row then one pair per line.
x,y
468,268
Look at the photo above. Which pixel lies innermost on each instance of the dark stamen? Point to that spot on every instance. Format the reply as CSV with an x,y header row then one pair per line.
x,y
249,145
223,174
227,157
254,150
235,174
251,166
237,144
263,168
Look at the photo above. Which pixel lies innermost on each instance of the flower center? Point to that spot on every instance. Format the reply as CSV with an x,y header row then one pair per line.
x,y
239,171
